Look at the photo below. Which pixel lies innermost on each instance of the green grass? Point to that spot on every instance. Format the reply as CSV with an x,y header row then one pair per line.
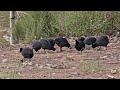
x,y
4,19
63,23
9,75
10,70
90,67
4,25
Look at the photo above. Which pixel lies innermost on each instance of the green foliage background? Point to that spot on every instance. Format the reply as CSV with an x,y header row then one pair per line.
x,y
63,23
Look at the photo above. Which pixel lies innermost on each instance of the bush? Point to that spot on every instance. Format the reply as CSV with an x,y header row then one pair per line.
x,y
62,23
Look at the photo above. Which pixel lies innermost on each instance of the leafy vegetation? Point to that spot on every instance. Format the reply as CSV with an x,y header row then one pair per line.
x,y
37,24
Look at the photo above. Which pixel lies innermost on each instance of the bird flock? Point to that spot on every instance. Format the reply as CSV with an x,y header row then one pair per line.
x,y
48,44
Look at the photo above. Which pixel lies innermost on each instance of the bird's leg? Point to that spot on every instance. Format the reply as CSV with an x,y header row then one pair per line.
x,y
106,47
70,47
29,61
60,49
81,52
24,61
38,52
99,48
49,51
44,50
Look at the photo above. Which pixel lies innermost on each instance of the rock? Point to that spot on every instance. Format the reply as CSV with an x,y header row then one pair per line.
x,y
114,71
18,73
24,63
48,65
103,57
41,66
68,57
81,61
53,66
74,73
110,77
53,73
117,34
61,66
36,65
4,60
100,78
30,63
93,70
2,55
73,67
48,68
59,55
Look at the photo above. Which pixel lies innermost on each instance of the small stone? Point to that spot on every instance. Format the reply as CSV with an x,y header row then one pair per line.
x,y
48,64
110,77
117,34
4,60
73,67
30,63
103,57
18,73
93,70
61,67
53,73
41,66
74,73
49,68
53,66
81,60
114,71
2,55
100,78
24,63
36,65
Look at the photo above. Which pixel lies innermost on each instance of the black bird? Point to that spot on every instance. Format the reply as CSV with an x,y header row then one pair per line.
x,y
81,38
27,53
101,41
36,45
52,42
62,42
79,45
89,41
46,45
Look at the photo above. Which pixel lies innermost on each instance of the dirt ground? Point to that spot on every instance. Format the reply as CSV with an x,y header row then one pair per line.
x,y
69,64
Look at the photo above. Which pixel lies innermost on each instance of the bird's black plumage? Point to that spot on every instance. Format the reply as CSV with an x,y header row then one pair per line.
x,y
81,38
27,53
79,45
101,41
36,45
90,40
46,44
52,42
62,42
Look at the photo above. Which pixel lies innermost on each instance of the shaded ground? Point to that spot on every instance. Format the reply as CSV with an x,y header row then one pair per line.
x,y
70,64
